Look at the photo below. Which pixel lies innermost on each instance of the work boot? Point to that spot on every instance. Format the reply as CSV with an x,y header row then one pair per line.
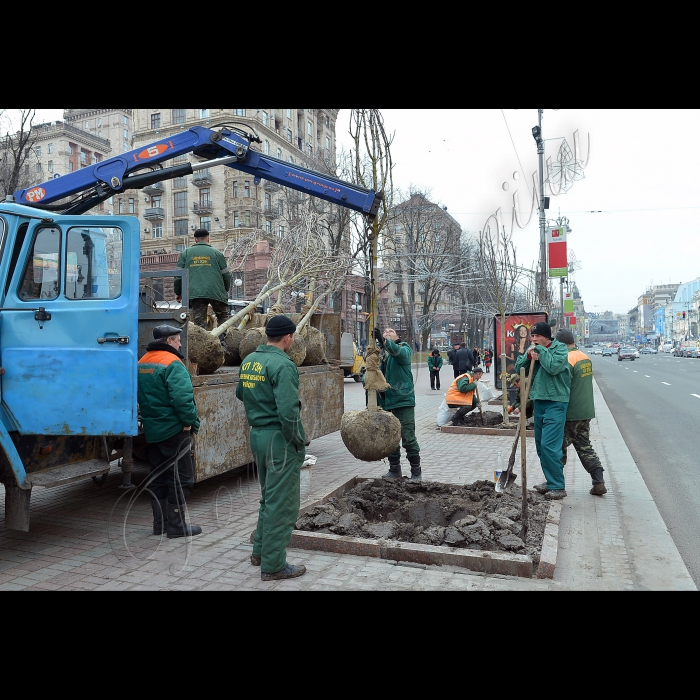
x,y
598,482
555,495
541,488
394,468
160,515
416,474
289,571
176,525
255,561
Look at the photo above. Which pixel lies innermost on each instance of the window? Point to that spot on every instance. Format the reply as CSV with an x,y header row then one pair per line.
x,y
41,276
247,218
235,190
50,166
99,121
70,149
180,204
87,125
50,148
156,202
179,183
155,121
239,112
236,220
281,231
268,226
204,114
268,202
131,205
126,134
99,133
205,222
70,166
38,167
94,158
264,118
37,150
121,205
266,147
328,142
204,197
126,120
179,116
309,150
83,157
157,229
309,128
291,159
246,189
328,121
289,113
289,136
279,153
181,227
93,263
126,147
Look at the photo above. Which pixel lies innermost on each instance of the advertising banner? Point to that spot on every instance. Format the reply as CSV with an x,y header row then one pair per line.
x,y
517,328
572,320
556,250
568,304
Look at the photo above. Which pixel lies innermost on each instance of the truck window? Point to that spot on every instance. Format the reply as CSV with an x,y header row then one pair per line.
x,y
3,229
41,273
93,263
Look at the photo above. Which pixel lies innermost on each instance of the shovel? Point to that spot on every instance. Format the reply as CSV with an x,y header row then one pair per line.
x,y
507,477
481,410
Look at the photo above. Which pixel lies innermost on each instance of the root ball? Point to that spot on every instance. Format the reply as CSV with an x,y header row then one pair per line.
x,y
370,435
204,349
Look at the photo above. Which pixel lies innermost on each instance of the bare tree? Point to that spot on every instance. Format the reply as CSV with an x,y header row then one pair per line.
x,y
17,153
502,274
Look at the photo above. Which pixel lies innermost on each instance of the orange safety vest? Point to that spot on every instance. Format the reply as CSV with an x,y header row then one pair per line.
x,y
455,397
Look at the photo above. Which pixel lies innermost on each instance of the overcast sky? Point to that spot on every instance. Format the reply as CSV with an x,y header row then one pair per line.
x,y
642,175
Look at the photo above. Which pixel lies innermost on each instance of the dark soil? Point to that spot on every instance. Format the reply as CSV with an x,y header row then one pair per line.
x,y
492,419
473,516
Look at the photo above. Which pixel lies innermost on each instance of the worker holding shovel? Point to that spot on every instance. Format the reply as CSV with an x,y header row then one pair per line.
x,y
550,389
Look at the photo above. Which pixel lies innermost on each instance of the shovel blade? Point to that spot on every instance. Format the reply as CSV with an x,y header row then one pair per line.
x,y
504,481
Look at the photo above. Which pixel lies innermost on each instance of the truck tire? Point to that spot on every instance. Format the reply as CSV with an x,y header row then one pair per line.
x,y
357,377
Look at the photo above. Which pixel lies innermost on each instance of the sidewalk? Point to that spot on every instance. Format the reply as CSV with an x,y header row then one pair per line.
x,y
614,542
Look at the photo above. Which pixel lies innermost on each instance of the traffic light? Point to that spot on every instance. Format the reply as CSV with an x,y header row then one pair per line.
x,y
684,314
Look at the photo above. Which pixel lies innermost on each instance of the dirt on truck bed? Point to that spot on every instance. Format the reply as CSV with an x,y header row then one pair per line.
x,y
473,516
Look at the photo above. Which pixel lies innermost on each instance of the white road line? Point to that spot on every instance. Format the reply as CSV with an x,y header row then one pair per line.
x,y
646,375
635,371
666,383
697,396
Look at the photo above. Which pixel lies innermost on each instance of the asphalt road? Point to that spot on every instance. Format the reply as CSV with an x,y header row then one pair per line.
x,y
656,403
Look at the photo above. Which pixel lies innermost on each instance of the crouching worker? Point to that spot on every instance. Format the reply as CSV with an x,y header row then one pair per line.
x,y
169,417
462,394
515,407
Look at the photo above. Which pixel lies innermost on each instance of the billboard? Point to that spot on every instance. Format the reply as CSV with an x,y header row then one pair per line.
x,y
556,250
517,327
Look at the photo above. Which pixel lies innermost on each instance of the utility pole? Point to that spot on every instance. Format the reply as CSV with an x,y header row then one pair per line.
x,y
537,134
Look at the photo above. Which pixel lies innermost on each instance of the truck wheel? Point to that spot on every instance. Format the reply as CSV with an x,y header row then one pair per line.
x,y
357,377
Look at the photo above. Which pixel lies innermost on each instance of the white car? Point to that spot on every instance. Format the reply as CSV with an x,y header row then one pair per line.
x,y
636,354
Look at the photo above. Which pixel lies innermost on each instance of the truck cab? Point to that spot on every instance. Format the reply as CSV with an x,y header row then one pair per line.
x,y
351,361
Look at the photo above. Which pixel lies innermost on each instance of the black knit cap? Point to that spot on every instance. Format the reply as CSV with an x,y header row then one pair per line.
x,y
542,328
565,336
279,325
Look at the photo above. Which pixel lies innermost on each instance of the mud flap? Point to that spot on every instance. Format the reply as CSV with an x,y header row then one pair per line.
x,y
17,507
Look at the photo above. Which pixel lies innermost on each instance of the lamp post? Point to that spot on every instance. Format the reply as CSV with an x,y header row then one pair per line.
x,y
356,308
537,135
238,282
297,296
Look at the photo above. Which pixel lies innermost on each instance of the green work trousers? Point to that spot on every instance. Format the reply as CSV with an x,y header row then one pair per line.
x,y
407,418
578,434
279,464
550,417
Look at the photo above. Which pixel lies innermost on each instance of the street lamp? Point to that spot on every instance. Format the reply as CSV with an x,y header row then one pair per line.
x,y
297,296
356,308
239,283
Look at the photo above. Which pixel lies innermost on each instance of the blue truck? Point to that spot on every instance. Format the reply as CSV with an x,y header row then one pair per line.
x,y
72,315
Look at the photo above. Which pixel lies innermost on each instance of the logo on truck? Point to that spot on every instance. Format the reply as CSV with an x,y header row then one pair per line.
x,y
35,194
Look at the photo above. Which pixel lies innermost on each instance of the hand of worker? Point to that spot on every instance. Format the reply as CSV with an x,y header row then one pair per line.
x,y
378,336
179,298
187,427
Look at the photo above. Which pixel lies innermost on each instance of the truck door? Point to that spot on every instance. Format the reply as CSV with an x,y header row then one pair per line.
x,y
75,372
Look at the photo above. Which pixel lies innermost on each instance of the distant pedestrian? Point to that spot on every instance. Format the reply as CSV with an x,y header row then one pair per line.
x,y
549,390
465,359
580,412
488,357
477,356
452,356
434,365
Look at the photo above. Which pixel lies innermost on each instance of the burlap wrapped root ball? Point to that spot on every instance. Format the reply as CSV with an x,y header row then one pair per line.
x,y
370,435
250,341
232,341
315,345
204,349
297,351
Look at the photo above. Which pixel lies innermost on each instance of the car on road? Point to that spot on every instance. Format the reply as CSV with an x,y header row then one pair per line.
x,y
597,351
607,352
693,352
625,354
677,352
636,354
648,351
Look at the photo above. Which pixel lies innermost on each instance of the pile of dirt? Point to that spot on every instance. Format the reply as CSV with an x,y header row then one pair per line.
x,y
492,419
474,516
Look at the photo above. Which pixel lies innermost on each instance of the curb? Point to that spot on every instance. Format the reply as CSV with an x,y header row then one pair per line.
x,y
550,542
468,430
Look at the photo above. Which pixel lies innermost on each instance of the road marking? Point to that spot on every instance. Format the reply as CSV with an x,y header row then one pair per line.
x,y
666,383
697,396
646,375
635,371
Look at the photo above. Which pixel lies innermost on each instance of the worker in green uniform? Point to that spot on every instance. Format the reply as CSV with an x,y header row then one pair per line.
x,y
209,280
268,385
400,400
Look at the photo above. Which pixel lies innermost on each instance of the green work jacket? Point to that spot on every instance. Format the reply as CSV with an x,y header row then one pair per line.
x,y
551,380
268,385
396,367
165,394
434,362
581,399
208,276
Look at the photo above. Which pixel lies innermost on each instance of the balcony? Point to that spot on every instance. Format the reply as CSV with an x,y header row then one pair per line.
x,y
203,208
271,212
155,189
154,214
202,178
271,186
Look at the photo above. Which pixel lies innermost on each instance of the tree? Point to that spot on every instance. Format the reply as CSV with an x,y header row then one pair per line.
x,y
17,153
